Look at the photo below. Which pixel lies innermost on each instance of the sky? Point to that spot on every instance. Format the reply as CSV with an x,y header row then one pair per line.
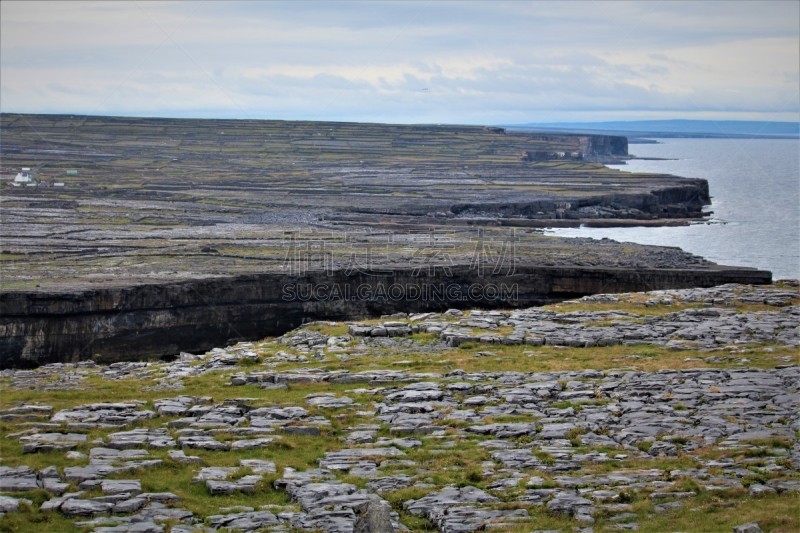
x,y
471,62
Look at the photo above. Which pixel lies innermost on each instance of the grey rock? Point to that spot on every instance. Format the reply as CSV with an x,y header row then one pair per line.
x,y
191,529
92,471
179,456
179,405
17,479
130,505
465,518
447,497
137,438
25,412
360,437
117,486
228,487
504,430
329,401
389,483
54,504
214,472
133,527
258,466
54,486
203,442
373,516
248,444
556,430
309,431
48,442
112,454
662,448
672,495
756,489
750,527
247,521
78,507
103,415
568,503
327,504
9,504
164,497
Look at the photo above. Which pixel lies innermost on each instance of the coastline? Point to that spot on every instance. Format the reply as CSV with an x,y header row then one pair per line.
x,y
162,209
744,176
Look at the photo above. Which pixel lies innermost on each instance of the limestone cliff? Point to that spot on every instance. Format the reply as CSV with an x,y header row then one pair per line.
x,y
159,320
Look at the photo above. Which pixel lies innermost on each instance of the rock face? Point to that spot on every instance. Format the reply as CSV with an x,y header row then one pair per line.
x,y
157,320
606,145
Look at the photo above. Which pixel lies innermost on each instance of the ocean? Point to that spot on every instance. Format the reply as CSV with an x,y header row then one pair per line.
x,y
755,189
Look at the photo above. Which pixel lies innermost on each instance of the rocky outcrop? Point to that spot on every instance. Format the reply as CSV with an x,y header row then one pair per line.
x,y
685,202
606,145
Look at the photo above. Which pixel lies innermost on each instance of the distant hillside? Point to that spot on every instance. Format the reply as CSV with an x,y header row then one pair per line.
x,y
675,128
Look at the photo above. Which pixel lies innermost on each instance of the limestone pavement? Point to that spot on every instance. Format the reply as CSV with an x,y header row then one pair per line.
x,y
582,444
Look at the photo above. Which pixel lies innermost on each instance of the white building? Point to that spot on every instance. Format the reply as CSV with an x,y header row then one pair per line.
x,y
25,178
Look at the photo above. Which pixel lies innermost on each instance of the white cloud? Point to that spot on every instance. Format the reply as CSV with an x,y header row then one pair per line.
x,y
403,61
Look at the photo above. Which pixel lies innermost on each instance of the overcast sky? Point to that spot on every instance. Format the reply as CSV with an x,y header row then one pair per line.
x,y
406,61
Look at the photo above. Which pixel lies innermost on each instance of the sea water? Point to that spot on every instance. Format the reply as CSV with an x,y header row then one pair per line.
x,y
755,190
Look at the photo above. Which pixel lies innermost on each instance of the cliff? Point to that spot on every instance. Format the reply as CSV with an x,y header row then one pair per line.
x,y
160,320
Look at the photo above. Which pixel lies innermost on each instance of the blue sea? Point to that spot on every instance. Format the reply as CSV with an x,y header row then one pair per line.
x,y
755,189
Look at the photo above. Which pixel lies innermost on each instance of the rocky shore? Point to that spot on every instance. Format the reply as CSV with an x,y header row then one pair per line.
x,y
664,410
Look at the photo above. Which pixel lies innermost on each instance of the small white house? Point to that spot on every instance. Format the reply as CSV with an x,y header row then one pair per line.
x,y
25,178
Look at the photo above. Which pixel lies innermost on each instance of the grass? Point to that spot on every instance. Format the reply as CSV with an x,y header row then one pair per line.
x,y
458,465
176,477
574,436
330,329
398,497
523,358
550,359
666,464
774,442
32,520
720,512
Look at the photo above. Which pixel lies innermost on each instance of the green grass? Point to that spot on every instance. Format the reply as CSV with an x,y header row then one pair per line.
x,y
721,512
32,520
523,358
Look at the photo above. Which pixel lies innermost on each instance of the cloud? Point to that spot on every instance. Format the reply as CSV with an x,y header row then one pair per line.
x,y
404,61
